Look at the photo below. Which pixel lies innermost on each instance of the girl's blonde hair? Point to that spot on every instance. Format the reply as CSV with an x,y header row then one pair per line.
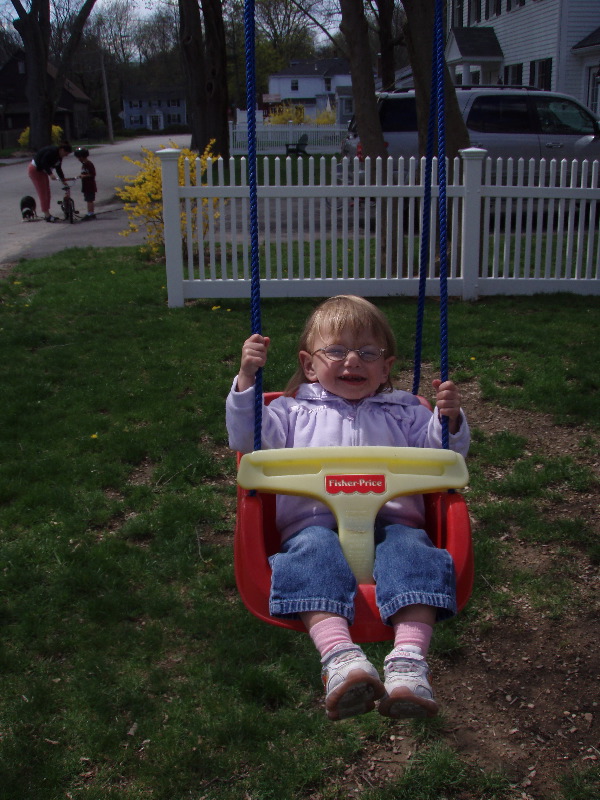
x,y
346,313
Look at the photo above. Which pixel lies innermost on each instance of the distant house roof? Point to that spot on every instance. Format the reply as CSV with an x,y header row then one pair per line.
x,y
13,81
325,67
479,44
69,86
591,40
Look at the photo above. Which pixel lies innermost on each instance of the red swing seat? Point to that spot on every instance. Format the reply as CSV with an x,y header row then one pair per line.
x,y
256,538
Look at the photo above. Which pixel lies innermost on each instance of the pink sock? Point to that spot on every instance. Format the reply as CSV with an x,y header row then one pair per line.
x,y
329,633
417,634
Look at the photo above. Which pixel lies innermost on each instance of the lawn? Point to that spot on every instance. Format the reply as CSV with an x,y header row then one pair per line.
x,y
129,667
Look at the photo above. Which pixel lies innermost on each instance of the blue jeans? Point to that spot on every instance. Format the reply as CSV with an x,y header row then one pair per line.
x,y
310,573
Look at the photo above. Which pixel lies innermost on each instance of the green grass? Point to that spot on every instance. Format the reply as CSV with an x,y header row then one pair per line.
x,y
437,772
130,669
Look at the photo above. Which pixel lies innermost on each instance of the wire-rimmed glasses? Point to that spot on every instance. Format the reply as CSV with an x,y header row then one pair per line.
x,y
336,352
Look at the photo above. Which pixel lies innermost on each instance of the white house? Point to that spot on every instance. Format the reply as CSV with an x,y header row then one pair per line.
x,y
154,109
312,84
549,44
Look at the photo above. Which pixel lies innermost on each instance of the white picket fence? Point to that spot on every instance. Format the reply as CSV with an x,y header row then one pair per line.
x,y
273,138
342,228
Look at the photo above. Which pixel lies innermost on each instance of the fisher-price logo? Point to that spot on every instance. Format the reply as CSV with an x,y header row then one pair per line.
x,y
355,484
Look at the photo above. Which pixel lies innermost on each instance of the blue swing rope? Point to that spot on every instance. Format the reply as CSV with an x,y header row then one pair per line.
x,y
436,113
425,234
256,324
437,104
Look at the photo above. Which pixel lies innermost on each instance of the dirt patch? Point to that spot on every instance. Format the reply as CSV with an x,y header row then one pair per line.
x,y
523,695
523,698
142,474
6,270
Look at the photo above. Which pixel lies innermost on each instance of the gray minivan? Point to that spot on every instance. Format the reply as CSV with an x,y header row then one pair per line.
x,y
505,121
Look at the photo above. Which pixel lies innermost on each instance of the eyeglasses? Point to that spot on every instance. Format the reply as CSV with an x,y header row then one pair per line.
x,y
335,352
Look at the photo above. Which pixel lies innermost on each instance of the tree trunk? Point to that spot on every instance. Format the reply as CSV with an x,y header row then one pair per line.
x,y
420,17
355,31
215,76
34,30
192,50
385,12
205,68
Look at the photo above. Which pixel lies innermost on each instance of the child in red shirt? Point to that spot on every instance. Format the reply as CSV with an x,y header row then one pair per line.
x,y
88,181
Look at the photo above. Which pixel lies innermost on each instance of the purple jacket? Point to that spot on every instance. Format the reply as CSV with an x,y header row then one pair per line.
x,y
317,418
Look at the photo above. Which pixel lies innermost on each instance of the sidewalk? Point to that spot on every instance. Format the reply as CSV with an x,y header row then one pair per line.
x,y
7,162
19,239
38,239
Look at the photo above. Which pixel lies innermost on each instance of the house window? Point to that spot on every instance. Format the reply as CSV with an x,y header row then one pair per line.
x,y
458,14
327,84
347,106
474,12
497,7
135,104
593,102
173,119
174,102
294,85
136,120
513,75
540,74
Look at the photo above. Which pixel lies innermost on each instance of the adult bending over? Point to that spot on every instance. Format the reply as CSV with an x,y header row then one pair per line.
x,y
44,163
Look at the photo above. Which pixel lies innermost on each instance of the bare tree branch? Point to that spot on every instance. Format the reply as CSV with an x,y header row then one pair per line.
x,y
318,24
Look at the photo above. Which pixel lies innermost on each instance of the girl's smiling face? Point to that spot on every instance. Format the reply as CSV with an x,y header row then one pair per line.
x,y
352,378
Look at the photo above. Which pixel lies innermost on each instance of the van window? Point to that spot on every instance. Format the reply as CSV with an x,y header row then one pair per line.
x,y
398,115
500,114
559,116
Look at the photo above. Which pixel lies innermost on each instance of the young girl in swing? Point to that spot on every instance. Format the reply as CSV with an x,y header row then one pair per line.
x,y
341,395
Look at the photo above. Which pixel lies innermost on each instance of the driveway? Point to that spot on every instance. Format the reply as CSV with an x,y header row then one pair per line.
x,y
19,239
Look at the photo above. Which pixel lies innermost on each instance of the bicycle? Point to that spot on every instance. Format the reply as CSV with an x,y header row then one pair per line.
x,y
68,205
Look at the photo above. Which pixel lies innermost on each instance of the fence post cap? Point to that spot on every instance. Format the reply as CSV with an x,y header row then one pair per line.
x,y
168,153
473,152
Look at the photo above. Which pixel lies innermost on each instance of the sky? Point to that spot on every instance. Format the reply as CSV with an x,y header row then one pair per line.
x,y
141,6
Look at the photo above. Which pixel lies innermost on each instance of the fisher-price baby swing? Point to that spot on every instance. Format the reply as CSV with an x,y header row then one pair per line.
x,y
354,482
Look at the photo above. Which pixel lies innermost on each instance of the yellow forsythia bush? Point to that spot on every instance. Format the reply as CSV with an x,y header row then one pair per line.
x,y
142,195
326,117
282,115
57,137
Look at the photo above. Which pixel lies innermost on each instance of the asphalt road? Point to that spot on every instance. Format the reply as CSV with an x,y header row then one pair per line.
x,y
19,239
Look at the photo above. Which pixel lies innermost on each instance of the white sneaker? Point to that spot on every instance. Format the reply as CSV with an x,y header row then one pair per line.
x,y
409,693
352,684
